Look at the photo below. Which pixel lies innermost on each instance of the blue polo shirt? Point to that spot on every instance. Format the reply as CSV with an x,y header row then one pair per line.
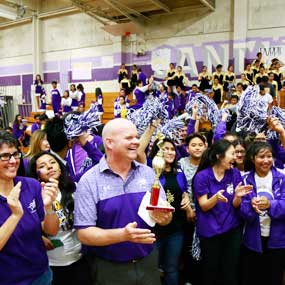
x,y
223,216
103,199
23,259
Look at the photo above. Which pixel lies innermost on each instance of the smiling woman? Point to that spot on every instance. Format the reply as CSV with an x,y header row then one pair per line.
x,y
264,213
218,191
64,255
25,210
171,237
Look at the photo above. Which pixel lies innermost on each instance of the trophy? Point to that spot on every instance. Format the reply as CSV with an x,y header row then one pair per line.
x,y
158,164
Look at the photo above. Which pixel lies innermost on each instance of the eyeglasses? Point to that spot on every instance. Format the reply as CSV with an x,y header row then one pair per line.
x,y
7,156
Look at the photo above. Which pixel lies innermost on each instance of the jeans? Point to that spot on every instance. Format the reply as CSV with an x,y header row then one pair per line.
x,y
44,279
169,250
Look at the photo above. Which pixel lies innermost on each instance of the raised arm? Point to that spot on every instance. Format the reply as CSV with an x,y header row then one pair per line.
x,y
145,139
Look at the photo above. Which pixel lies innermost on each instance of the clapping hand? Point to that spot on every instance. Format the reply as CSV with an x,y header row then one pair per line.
x,y
220,197
49,191
260,204
14,202
242,190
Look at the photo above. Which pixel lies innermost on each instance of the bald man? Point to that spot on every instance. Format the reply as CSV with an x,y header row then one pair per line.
x,y
107,201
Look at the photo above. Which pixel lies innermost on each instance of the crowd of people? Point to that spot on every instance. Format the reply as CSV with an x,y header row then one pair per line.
x,y
222,86
73,209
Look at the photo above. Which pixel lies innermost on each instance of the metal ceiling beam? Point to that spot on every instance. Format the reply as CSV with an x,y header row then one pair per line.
x,y
58,12
9,24
92,12
161,5
137,20
130,10
208,4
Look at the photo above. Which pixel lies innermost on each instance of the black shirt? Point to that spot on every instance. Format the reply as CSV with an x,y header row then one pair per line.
x,y
179,216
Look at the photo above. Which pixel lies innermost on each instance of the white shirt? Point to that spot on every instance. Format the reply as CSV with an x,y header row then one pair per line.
x,y
264,188
267,99
69,252
74,94
66,101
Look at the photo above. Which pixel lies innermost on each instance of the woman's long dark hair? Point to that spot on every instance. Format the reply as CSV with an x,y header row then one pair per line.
x,y
16,121
155,150
252,151
38,80
65,183
213,155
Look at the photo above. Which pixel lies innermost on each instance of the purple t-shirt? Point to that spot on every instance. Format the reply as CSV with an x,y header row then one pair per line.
x,y
35,126
103,199
23,259
223,216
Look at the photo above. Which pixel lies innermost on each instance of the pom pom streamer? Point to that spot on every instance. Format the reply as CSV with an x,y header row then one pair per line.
x,y
251,111
196,249
76,124
152,109
221,112
279,113
171,129
205,103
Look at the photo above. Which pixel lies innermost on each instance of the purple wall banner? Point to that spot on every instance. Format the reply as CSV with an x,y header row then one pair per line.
x,y
27,81
10,80
25,109
49,77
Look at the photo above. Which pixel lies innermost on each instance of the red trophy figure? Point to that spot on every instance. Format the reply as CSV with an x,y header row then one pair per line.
x,y
158,164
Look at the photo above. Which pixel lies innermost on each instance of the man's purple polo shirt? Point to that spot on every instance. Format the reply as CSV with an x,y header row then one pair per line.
x,y
103,199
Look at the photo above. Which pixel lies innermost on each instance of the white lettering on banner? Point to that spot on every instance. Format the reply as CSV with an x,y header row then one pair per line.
x,y
187,54
211,54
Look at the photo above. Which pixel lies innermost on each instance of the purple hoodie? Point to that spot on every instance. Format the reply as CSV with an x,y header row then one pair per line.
x,y
252,232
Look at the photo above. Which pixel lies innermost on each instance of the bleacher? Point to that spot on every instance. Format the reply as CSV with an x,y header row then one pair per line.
x,y
108,105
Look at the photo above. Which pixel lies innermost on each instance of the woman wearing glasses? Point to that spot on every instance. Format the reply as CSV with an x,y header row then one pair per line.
x,y
25,211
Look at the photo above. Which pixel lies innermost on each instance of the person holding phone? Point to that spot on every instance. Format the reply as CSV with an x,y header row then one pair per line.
x,y
264,214
64,249
25,211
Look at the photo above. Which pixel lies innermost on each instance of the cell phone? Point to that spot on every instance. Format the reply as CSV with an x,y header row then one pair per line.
x,y
56,243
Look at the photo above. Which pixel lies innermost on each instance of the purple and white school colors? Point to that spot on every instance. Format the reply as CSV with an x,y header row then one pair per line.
x,y
252,232
55,100
24,258
223,217
104,200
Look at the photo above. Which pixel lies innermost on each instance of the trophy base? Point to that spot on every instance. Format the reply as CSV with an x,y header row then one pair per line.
x,y
160,208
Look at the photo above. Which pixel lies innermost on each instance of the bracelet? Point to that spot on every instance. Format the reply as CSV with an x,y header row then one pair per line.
x,y
49,212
